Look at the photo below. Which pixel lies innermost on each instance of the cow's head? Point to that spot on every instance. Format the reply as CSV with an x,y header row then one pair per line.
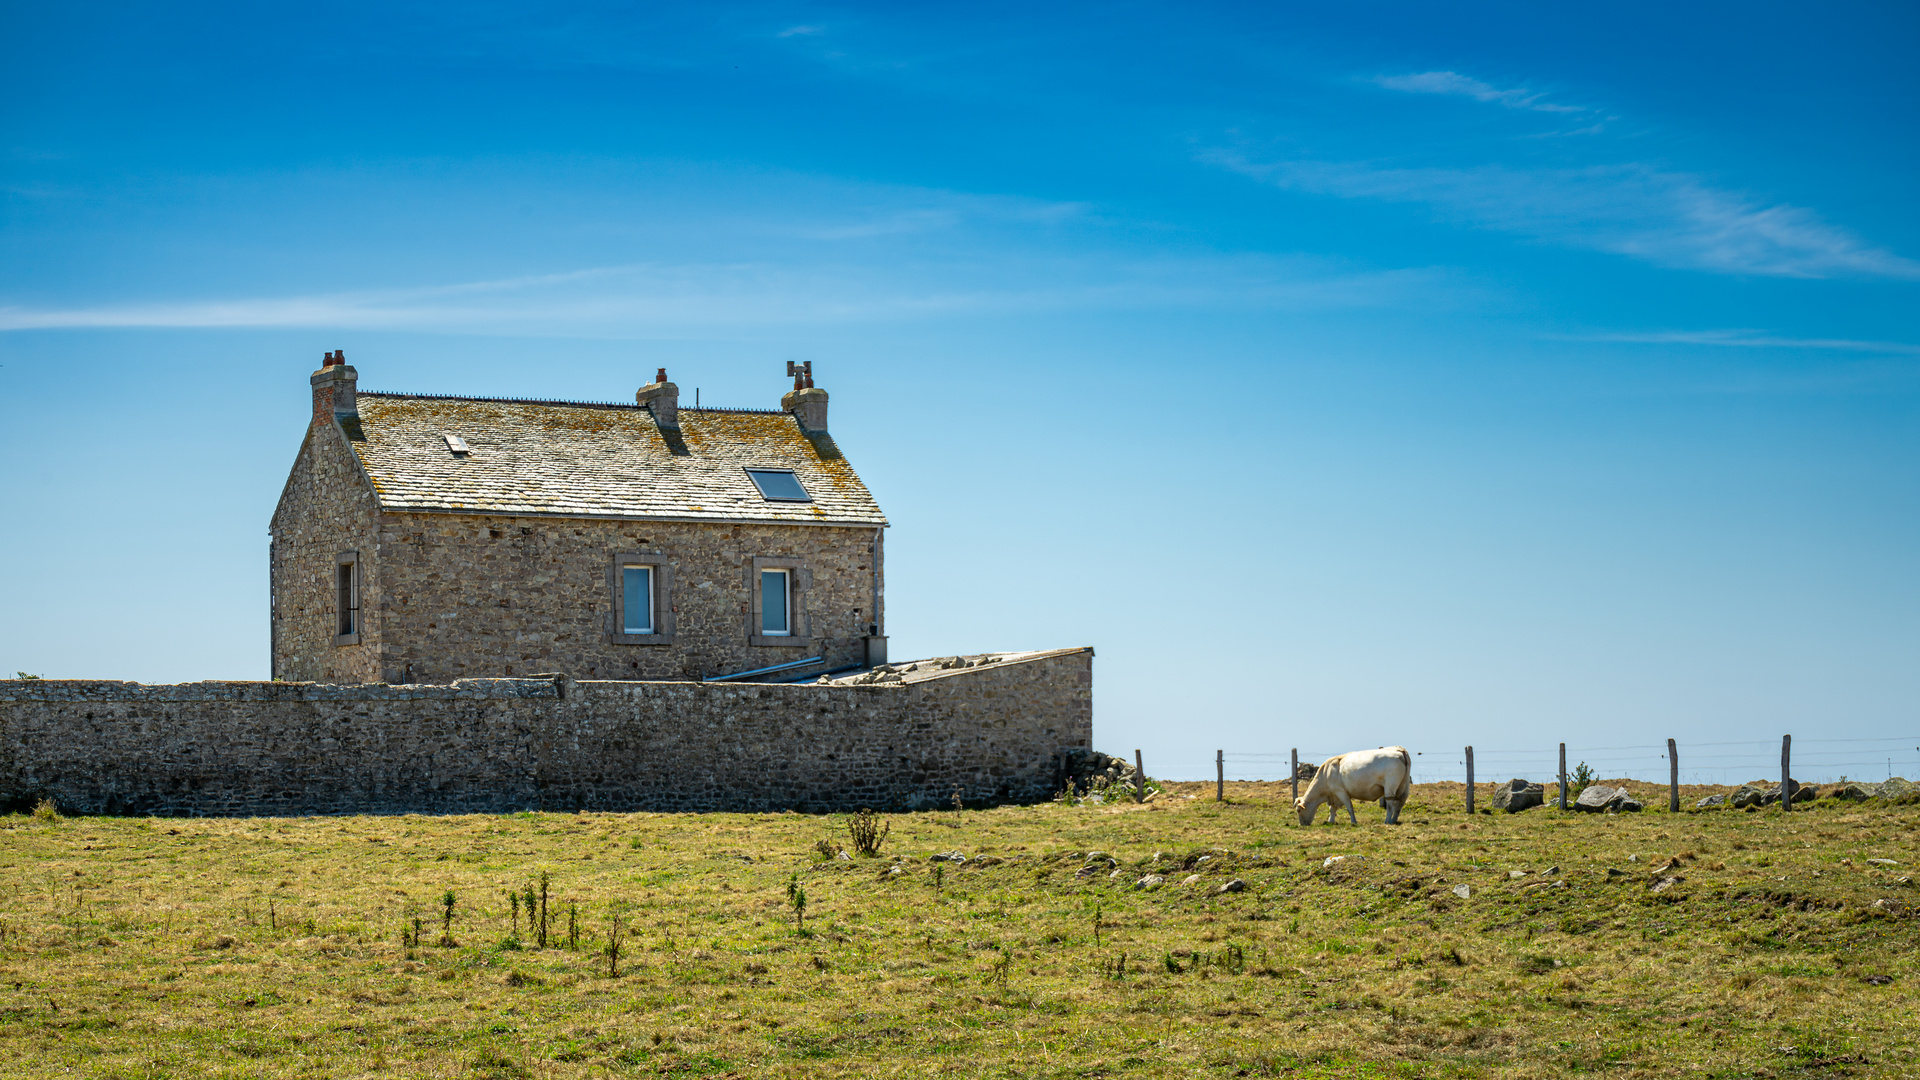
x,y
1304,811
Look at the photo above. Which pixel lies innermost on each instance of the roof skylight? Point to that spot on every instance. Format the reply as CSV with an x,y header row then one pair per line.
x,y
779,485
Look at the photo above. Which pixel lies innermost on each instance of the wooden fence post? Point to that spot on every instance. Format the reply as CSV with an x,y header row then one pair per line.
x,y
1786,773
1294,776
1469,781
1673,778
1563,776
1220,776
1139,778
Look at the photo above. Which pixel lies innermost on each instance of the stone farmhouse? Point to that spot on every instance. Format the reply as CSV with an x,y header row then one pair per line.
x,y
483,605
424,538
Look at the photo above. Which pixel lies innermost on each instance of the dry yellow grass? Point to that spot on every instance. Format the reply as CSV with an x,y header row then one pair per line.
x,y
274,947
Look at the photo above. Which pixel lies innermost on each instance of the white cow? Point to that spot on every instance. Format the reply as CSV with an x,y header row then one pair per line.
x,y
1385,774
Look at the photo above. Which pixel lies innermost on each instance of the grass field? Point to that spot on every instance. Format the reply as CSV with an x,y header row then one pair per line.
x,y
1527,945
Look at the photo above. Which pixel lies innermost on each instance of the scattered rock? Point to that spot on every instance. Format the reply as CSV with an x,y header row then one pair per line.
x,y
1801,793
1550,871
1236,885
1306,771
1335,860
1615,873
1667,882
947,856
1190,879
1883,862
1633,858
1748,795
1462,890
1894,789
1151,881
1091,772
1516,873
896,871
1711,802
1852,792
1517,795
1876,980
1598,797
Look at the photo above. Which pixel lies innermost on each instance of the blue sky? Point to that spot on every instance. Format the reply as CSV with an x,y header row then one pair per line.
x,y
1345,374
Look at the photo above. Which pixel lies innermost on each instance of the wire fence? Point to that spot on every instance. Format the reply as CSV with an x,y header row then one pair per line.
x,y
1814,761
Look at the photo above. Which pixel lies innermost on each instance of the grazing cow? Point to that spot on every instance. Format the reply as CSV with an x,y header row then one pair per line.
x,y
1385,774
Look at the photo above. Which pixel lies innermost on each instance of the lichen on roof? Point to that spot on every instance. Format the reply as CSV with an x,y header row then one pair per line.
x,y
558,458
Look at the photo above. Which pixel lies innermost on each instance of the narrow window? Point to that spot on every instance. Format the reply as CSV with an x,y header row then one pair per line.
x,y
348,604
776,606
636,599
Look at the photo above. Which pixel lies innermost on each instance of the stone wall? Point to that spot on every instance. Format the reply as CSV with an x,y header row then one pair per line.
x,y
992,734
462,596
327,508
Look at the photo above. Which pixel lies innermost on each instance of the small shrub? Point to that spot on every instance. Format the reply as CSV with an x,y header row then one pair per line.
x,y
797,899
613,946
1581,778
45,810
867,830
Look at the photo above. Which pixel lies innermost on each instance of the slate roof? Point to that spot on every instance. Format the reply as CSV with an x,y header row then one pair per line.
x,y
581,459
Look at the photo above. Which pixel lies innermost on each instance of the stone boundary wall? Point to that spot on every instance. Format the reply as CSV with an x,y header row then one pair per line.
x,y
992,734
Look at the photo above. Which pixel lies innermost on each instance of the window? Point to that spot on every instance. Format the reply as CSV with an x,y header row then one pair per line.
x,y
636,607
778,614
641,607
776,603
779,485
346,598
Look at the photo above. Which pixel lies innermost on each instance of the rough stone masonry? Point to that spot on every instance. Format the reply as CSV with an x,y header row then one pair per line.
x,y
994,732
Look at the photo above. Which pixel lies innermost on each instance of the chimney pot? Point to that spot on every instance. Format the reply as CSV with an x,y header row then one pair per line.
x,y
334,389
809,406
662,398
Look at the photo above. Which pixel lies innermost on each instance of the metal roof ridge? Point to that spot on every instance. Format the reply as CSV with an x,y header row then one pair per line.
x,y
559,401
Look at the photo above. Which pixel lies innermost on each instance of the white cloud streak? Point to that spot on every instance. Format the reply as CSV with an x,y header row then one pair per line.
x,y
655,297
1746,339
1454,84
1667,218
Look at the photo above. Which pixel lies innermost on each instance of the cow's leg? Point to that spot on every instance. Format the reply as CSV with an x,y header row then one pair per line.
x,y
1333,811
1351,819
1393,810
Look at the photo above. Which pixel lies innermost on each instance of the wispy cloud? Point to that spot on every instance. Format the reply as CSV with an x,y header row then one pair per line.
x,y
802,31
651,297
1454,84
1662,217
1746,339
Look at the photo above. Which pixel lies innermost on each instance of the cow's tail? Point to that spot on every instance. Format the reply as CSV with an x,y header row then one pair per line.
x,y
1406,778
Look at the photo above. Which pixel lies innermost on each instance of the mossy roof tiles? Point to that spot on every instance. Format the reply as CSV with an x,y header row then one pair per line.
x,y
557,458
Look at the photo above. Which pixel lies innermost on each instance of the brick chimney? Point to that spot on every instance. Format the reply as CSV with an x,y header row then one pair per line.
x,y
663,399
333,389
807,404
